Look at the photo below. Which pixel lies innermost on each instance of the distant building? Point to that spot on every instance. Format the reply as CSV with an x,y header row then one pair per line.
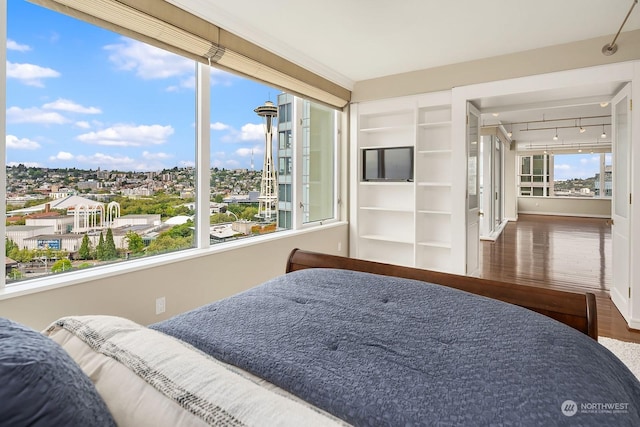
x,y
251,197
60,223
62,242
143,219
19,233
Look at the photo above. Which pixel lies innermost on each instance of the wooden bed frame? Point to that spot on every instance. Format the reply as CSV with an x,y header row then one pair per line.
x,y
574,309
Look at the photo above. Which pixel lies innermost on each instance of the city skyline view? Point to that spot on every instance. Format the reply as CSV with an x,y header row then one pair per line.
x,y
80,96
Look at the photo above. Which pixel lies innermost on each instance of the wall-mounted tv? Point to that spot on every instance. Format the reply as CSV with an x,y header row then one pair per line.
x,y
387,164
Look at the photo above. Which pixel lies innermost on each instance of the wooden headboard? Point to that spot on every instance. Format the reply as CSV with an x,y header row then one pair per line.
x,y
574,309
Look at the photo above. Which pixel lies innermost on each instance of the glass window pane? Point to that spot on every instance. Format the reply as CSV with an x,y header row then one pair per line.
x,y
526,166
538,164
577,175
101,153
319,130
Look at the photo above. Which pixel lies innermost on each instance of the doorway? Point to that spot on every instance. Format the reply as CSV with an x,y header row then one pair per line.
x,y
576,92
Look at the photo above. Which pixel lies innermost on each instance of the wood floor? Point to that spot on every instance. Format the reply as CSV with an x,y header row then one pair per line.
x,y
566,253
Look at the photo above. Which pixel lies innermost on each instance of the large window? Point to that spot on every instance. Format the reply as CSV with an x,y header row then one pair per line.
x,y
566,175
101,143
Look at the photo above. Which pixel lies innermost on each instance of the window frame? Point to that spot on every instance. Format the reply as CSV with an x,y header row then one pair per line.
x,y
547,182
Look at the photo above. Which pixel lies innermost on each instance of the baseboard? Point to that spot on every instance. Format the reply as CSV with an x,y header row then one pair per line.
x,y
564,214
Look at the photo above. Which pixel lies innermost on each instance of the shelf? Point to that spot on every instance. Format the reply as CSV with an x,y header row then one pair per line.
x,y
434,184
387,183
434,124
383,209
385,129
434,244
432,212
447,151
383,238
395,222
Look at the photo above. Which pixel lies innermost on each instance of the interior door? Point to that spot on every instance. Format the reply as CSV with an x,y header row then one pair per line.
x,y
497,183
485,177
621,198
473,193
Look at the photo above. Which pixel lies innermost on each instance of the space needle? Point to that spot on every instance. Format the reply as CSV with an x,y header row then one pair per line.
x,y
268,200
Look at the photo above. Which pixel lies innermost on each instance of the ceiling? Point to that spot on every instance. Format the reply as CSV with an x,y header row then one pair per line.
x,y
352,40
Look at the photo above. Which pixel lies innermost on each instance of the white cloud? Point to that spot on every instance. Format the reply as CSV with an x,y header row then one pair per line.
x,y
147,61
30,74
83,125
34,115
16,143
27,164
13,45
256,151
68,105
62,155
187,163
252,132
219,126
125,135
156,156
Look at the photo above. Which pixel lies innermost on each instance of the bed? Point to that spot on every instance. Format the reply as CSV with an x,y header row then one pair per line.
x,y
339,341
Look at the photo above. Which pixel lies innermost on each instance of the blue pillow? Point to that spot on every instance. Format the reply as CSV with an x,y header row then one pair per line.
x,y
40,385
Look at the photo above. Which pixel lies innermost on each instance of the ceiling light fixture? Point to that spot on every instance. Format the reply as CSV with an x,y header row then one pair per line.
x,y
579,149
555,137
604,104
582,130
509,133
611,48
604,134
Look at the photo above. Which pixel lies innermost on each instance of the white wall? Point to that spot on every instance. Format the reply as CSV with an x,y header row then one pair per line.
x,y
566,206
185,284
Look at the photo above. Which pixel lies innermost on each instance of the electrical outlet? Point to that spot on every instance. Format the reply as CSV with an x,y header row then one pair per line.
x,y
160,305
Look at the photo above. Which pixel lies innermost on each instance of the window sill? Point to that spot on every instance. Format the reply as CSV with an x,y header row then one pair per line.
x,y
78,277
565,197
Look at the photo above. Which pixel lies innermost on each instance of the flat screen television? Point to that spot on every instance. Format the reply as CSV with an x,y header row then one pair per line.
x,y
387,164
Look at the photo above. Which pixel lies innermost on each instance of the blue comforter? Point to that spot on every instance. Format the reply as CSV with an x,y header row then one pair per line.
x,y
376,350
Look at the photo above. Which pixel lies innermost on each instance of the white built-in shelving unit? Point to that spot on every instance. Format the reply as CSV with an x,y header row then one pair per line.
x,y
406,223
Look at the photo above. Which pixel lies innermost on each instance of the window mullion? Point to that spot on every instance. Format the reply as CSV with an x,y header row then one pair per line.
x,y
3,130
203,154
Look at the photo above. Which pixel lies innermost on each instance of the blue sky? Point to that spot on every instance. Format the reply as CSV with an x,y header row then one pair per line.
x,y
80,96
568,166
